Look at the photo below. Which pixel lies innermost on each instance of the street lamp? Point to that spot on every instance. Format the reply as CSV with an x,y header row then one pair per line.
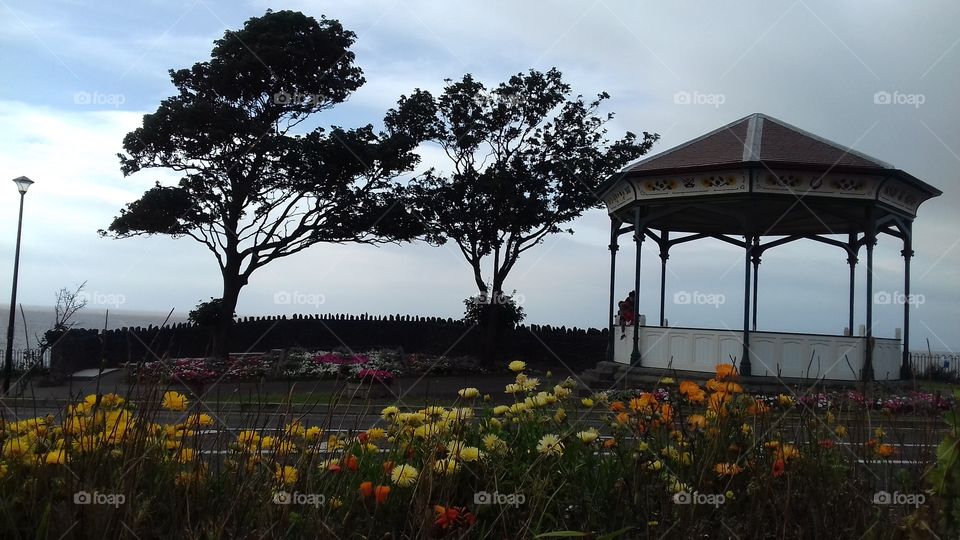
x,y
23,183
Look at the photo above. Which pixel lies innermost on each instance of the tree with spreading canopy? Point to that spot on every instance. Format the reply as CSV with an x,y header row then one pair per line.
x,y
254,188
525,158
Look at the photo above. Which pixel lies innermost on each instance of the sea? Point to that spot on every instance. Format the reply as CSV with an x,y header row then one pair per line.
x,y
40,319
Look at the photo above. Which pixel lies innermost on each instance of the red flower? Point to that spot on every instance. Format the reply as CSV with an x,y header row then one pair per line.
x,y
778,468
351,462
381,493
826,443
448,518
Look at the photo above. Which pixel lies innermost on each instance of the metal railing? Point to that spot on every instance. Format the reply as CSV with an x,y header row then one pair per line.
x,y
935,363
25,358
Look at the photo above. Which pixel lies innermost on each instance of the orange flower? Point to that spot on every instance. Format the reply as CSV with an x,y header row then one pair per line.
x,y
726,371
388,466
666,412
757,408
617,406
718,402
351,462
885,450
686,387
366,489
696,421
643,404
623,418
609,443
727,469
381,493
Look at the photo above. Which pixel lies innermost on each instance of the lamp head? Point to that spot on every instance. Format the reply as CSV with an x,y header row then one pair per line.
x,y
23,183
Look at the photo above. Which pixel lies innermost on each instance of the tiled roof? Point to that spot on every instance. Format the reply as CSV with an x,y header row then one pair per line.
x,y
757,137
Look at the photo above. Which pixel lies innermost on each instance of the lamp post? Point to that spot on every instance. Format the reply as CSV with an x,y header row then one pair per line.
x,y
23,183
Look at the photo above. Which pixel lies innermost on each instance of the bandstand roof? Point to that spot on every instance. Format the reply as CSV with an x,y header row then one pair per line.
x,y
760,175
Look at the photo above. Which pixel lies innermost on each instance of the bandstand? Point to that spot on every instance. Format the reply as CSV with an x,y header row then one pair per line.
x,y
759,183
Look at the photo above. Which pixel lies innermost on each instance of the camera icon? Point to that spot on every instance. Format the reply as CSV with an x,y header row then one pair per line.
x,y
682,297
82,497
882,98
882,297
82,98
482,497
282,297
682,497
282,98
682,98
281,497
882,497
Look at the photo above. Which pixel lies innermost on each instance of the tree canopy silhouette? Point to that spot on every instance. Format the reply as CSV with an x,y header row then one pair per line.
x,y
524,158
254,187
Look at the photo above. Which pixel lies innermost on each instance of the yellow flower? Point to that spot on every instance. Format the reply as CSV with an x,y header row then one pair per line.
x,y
560,415
469,393
185,455
446,467
587,402
313,434
389,412
655,465
784,400
517,366
470,453
666,381
295,429
335,502
286,475
494,444
530,384
787,452
18,447
500,409
174,401
879,433
841,431
512,388
57,457
588,436
375,434
561,391
111,400
202,420
404,475
550,445
248,437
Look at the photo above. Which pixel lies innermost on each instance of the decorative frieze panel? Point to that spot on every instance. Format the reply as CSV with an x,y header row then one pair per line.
x,y
855,186
684,185
899,195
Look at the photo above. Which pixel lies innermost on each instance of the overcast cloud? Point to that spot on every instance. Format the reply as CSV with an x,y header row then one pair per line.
x,y
79,75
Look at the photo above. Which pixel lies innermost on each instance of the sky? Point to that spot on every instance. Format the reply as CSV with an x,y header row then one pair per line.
x,y
79,75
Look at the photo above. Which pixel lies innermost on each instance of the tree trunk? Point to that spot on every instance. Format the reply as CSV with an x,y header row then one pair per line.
x,y
221,331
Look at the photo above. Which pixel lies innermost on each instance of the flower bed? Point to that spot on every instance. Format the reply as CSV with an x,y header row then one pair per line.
x,y
678,461
303,364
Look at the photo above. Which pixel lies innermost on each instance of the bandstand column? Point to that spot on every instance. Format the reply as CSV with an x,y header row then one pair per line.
x,y
664,255
905,368
614,234
756,274
852,250
870,238
638,241
745,364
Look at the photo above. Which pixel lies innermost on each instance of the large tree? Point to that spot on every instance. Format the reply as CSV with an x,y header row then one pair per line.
x,y
254,187
525,158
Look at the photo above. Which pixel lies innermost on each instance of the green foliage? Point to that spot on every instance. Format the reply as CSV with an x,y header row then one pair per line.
x,y
207,314
479,310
